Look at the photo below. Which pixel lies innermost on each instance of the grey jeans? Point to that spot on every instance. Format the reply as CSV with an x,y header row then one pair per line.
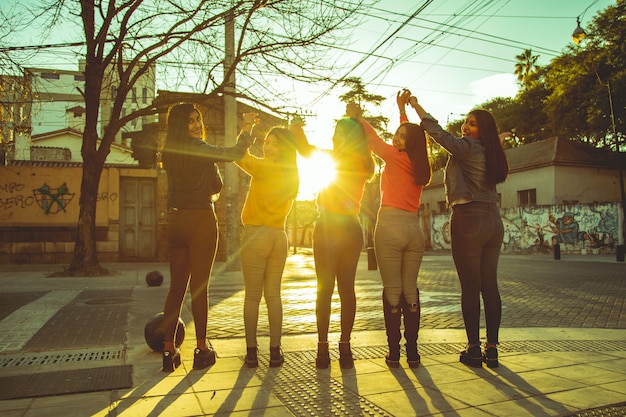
x,y
399,245
263,256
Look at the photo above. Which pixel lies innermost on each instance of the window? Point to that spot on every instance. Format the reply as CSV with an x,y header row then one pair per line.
x,y
144,95
79,78
134,95
527,197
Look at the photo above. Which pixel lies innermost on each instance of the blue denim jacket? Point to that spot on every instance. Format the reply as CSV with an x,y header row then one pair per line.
x,y
465,174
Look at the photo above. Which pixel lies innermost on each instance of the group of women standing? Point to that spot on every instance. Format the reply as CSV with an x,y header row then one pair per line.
x,y
476,164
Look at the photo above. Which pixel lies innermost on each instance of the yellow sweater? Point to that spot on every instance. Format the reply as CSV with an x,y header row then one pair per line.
x,y
271,192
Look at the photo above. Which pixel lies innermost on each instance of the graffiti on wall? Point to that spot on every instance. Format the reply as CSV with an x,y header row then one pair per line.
x,y
538,229
53,200
16,196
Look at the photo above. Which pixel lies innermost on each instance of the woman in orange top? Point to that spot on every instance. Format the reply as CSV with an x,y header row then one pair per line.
x,y
398,237
338,237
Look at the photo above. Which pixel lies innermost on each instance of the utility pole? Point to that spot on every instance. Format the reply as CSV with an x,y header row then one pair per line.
x,y
231,177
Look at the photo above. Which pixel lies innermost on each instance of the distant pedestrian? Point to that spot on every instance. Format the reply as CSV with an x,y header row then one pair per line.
x,y
264,243
476,163
398,237
192,182
337,236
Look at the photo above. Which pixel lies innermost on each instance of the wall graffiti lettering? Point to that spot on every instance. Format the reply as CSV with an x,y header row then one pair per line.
x,y
18,201
12,187
106,196
50,200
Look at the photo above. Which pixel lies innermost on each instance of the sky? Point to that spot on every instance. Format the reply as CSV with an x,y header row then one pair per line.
x,y
453,55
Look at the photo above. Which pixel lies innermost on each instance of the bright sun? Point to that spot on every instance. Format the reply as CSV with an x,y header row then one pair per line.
x,y
316,172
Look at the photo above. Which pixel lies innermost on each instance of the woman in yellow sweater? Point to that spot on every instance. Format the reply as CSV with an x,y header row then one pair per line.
x,y
264,244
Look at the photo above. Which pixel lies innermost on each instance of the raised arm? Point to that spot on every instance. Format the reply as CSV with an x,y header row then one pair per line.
x,y
302,143
402,99
244,140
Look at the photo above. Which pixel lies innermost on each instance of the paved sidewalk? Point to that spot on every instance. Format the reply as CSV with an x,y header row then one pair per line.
x,y
562,352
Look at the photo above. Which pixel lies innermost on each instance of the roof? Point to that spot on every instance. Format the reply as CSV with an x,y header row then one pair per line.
x,y
62,164
59,132
550,152
78,134
558,151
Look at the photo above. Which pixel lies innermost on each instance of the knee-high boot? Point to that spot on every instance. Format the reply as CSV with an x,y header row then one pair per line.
x,y
392,316
411,314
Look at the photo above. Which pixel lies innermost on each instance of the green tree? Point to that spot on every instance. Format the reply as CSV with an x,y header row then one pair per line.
x,y
579,81
357,93
525,66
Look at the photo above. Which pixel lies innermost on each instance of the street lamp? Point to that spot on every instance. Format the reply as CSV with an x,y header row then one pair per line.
x,y
577,36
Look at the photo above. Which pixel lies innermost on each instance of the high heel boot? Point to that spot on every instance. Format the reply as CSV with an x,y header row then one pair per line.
x,y
411,313
490,355
323,356
346,361
392,316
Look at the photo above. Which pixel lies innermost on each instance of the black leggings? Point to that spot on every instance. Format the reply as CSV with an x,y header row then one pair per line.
x,y
337,244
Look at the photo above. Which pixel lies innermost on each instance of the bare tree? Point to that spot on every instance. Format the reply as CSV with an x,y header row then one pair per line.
x,y
186,39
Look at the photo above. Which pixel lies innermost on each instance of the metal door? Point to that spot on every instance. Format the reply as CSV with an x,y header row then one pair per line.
x,y
138,217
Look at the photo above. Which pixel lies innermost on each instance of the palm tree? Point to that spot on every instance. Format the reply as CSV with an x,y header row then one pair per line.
x,y
526,66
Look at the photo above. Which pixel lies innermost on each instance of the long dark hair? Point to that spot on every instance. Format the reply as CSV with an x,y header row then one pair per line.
x,y
496,164
175,152
287,158
350,142
415,147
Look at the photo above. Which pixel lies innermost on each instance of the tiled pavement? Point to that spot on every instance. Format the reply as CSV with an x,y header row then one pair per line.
x,y
562,352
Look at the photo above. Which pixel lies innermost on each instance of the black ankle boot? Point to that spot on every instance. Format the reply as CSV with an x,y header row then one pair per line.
x,y
472,356
490,357
252,360
171,360
203,358
276,356
393,357
323,356
346,361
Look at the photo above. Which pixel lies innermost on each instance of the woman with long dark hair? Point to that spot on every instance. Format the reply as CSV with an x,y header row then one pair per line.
x,y
476,163
264,244
192,182
399,240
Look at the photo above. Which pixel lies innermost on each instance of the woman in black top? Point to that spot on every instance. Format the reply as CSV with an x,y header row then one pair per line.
x,y
193,180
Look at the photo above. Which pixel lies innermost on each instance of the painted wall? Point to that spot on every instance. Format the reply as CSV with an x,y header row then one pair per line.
x,y
39,208
576,228
34,196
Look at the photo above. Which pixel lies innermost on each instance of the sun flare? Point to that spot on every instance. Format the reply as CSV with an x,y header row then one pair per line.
x,y
316,172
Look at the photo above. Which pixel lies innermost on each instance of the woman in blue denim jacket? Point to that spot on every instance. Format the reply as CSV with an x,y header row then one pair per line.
x,y
476,163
